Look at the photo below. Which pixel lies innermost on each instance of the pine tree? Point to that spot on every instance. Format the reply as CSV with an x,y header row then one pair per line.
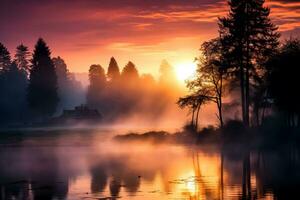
x,y
22,58
61,70
249,38
5,60
69,89
113,71
167,74
13,83
97,85
130,72
42,89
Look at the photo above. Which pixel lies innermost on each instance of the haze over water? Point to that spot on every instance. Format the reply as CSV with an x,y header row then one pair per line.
x,y
88,165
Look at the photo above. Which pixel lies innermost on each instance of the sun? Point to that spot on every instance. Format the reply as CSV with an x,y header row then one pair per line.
x,y
185,70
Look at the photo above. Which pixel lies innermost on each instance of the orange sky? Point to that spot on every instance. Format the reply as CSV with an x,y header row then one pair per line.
x,y
145,32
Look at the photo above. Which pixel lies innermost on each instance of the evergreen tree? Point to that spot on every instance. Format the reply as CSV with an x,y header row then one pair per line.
x,y
97,85
22,58
5,59
113,71
13,83
130,72
167,74
70,91
61,70
249,39
283,81
42,89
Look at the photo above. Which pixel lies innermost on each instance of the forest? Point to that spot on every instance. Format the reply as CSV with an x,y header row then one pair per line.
x,y
248,67
38,87
249,72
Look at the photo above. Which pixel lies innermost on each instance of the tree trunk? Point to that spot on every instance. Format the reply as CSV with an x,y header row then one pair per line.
x,y
220,103
242,85
247,98
247,93
197,116
220,112
193,114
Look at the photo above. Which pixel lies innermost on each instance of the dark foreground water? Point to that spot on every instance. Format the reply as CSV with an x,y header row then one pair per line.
x,y
87,165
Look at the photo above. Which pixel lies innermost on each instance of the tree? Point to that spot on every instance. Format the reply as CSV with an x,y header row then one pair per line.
x,y
61,69
208,83
167,74
97,85
130,72
5,60
13,83
249,39
283,81
194,102
113,71
42,89
22,58
69,89
211,74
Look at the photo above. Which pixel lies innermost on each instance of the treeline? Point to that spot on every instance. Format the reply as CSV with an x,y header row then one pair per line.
x,y
33,85
125,93
247,59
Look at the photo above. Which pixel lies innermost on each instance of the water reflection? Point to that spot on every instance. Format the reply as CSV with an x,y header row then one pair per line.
x,y
84,167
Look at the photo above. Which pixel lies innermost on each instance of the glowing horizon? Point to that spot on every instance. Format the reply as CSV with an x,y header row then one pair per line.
x,y
90,32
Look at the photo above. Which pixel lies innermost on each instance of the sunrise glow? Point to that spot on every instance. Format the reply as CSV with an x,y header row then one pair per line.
x,y
185,70
153,99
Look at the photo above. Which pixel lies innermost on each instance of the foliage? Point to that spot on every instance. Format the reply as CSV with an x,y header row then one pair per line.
x,y
208,83
113,71
249,39
70,91
13,96
97,84
130,71
5,59
283,82
22,58
42,89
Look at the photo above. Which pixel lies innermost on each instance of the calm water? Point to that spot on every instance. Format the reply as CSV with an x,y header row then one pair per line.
x,y
87,165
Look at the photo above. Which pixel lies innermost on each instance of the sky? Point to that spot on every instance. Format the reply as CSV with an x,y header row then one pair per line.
x,y
85,32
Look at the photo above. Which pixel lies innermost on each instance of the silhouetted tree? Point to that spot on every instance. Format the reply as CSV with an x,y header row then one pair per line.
x,y
60,68
97,85
194,102
211,73
113,71
69,89
5,59
208,83
42,89
249,38
283,81
22,58
13,83
130,72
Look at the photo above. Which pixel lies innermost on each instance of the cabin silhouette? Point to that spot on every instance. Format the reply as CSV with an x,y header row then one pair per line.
x,y
81,112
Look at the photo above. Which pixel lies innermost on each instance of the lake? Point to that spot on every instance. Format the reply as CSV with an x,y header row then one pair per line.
x,y
77,164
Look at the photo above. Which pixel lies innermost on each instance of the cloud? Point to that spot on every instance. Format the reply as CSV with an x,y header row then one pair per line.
x,y
286,14
93,25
